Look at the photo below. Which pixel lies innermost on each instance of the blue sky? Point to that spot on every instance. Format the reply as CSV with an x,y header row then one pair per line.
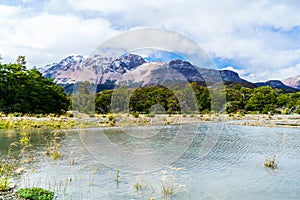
x,y
259,39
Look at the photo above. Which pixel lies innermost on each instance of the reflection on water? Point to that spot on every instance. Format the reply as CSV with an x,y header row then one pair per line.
x,y
233,169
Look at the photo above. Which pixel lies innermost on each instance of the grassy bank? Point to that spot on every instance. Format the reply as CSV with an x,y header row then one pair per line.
x,y
124,120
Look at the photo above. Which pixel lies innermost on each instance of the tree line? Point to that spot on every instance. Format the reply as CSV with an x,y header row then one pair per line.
x,y
239,99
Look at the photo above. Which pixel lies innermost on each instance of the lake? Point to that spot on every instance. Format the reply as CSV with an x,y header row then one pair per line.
x,y
197,161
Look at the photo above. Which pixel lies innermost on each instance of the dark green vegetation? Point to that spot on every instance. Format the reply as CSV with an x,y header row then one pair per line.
x,y
35,194
261,100
239,100
27,91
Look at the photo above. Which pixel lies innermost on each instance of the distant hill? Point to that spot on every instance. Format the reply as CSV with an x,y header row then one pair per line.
x,y
133,69
293,82
277,84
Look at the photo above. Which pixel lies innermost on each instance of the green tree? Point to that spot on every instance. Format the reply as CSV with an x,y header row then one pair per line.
x,y
103,101
263,100
27,91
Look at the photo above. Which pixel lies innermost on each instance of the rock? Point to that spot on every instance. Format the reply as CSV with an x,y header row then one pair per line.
x,y
8,195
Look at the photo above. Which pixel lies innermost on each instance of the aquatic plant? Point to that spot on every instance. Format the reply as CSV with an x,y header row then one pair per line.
x,y
169,185
35,193
167,189
271,162
8,164
24,140
140,184
53,146
117,174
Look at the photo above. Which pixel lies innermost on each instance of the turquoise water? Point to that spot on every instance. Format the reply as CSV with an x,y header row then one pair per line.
x,y
205,161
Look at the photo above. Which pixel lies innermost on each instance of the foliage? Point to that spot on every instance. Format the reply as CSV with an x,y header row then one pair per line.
x,y
263,99
35,194
103,101
193,97
83,98
159,99
144,98
27,91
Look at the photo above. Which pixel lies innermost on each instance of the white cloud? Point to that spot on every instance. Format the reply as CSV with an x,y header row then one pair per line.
x,y
47,38
255,33
6,11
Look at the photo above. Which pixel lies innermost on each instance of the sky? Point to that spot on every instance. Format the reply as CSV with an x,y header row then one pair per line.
x,y
259,39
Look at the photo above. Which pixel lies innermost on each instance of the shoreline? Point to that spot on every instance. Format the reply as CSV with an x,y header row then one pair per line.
x,y
125,120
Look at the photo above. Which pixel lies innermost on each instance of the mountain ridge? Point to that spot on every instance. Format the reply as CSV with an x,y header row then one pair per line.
x,y
133,68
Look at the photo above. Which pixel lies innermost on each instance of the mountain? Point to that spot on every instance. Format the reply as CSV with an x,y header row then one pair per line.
x,y
133,69
277,84
293,81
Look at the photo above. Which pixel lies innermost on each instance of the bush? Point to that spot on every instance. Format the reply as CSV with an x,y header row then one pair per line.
x,y
135,114
38,115
111,118
35,194
17,114
151,115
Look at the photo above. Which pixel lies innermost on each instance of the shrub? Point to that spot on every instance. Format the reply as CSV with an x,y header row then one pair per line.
x,y
151,115
17,114
111,117
135,114
38,115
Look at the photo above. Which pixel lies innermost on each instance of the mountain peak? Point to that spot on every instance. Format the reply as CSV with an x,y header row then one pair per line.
x,y
178,62
125,63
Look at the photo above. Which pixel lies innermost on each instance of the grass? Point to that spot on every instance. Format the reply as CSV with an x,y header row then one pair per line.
x,y
167,189
53,146
4,183
139,185
10,162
